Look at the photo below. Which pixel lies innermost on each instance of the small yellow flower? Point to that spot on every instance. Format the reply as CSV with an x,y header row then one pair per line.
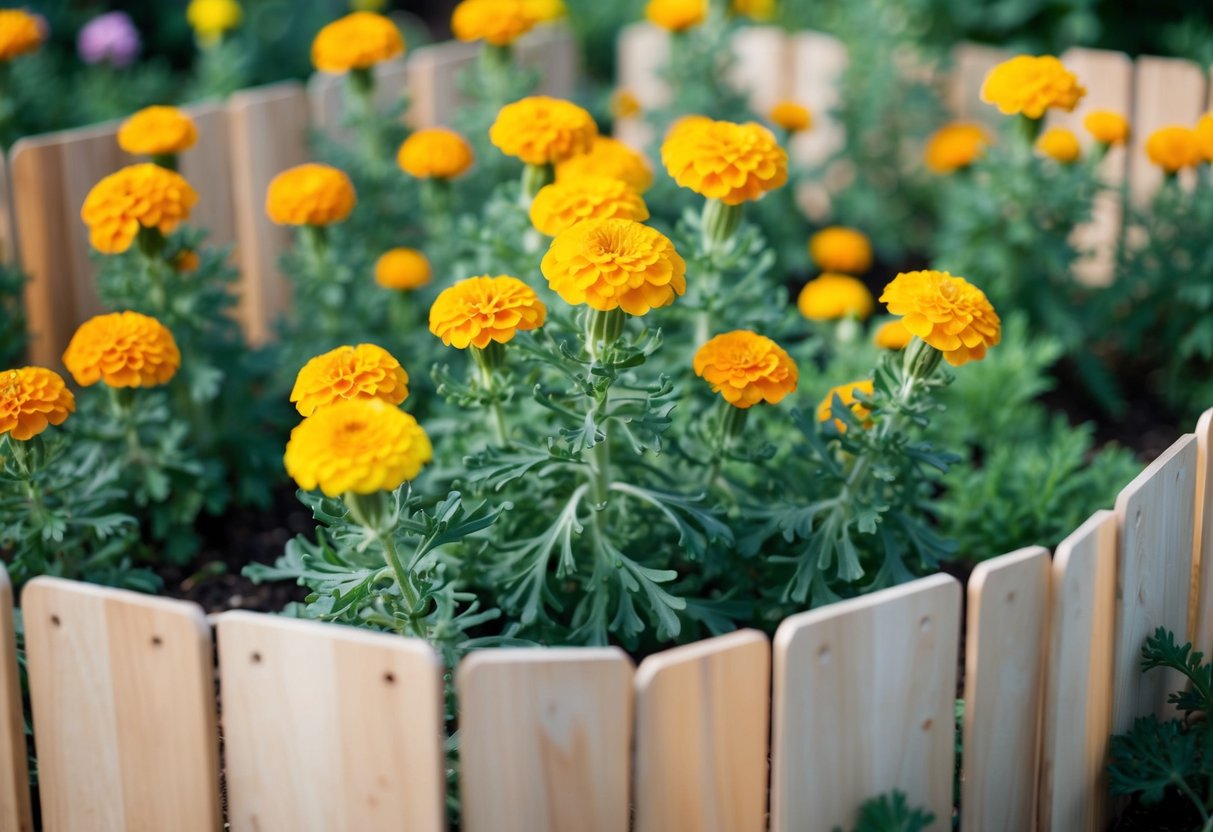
x,y
186,261
157,131
1204,136
833,296
842,250
212,19
755,9
480,310
615,264
1174,148
403,269
746,368
32,398
949,313
733,163
1060,145
122,349
19,33
435,152
357,41
310,194
366,371
846,393
608,157
954,147
676,15
542,131
1031,86
499,22
1106,127
139,196
791,116
545,11
624,104
359,446
892,335
563,204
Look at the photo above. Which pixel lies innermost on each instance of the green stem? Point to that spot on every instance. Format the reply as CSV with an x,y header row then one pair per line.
x,y
730,422
496,67
365,114
534,177
488,360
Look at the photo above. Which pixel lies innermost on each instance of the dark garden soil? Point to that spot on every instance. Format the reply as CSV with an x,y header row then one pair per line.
x,y
1174,814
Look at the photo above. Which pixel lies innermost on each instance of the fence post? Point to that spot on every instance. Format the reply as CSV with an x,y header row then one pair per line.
x,y
1200,624
14,768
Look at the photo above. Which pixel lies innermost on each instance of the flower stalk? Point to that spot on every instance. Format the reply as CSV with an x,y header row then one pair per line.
x,y
374,513
489,359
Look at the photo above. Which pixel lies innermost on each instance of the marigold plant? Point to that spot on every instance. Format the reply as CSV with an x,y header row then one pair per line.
x,y
435,152
1060,145
608,157
139,196
402,268
1204,136
31,398
1106,127
1174,148
19,33
541,131
122,349
1031,85
849,395
157,131
480,310
625,104
955,147
948,313
841,250
833,296
676,15
565,203
366,371
357,41
732,163
791,116
310,194
212,19
746,368
499,22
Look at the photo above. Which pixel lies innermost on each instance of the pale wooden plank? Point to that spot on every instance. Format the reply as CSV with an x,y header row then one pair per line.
x,y
818,61
544,740
701,736
1004,676
371,756
8,229
1154,567
1200,624
641,51
971,62
552,51
14,767
1165,91
207,166
1078,694
864,692
122,687
763,57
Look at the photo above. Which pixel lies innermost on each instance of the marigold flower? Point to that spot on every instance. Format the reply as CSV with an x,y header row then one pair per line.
x,y
755,9
563,204
366,371
833,296
32,398
122,349
157,131
402,268
608,157
357,445
1204,136
683,125
611,264
212,19
791,116
842,250
733,163
1174,148
1106,126
435,152
955,146
19,33
541,131
546,11
499,22
746,368
357,41
676,15
949,313
138,196
186,261
846,393
1031,85
1059,144
310,194
892,335
624,104
478,310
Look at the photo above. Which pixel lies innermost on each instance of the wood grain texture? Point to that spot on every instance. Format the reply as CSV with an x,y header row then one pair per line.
x,y
1200,621
641,51
1008,609
971,62
329,728
1078,692
1154,567
701,736
763,58
1165,91
544,740
864,697
15,813
122,687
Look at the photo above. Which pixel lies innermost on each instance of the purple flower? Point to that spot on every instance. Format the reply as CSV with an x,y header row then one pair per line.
x,y
109,37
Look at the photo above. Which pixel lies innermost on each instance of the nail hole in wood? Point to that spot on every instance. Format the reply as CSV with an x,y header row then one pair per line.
x,y
927,724
256,658
157,641
924,623
1011,597
823,654
389,677
55,622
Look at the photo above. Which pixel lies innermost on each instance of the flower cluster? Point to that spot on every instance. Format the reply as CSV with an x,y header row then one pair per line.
x,y
357,41
499,22
310,194
140,196
157,131
955,146
611,158
746,368
1174,148
122,349
19,33
542,131
1032,86
565,203
362,372
480,310
842,250
32,398
832,296
402,268
732,163
948,313
676,15
435,153
212,19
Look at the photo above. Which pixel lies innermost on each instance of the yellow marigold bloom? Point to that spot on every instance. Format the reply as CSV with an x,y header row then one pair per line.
x,y
1204,136
157,131
791,116
32,398
499,22
310,194
435,152
746,368
955,146
615,264
402,268
139,196
122,349
608,157
833,296
846,394
624,104
1031,85
892,335
19,33
546,11
186,261
1174,148
1059,144
478,310
755,9
949,313
563,204
676,15
359,446
541,131
366,371
211,19
1106,126
357,41
684,125
733,163
842,250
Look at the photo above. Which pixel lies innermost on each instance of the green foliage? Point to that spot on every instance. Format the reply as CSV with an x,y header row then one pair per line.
x,y
12,316
891,813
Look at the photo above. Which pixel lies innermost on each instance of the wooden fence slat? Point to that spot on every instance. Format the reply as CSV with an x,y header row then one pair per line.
x,y
1200,624
122,687
1165,91
763,56
642,50
552,51
1154,567
544,740
701,736
1078,695
326,96
329,728
818,61
8,220
207,166
15,813
864,692
1004,677
971,62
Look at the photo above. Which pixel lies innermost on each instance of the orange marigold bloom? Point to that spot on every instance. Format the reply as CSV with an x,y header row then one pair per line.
x,y
157,131
499,22
1106,126
610,264
955,146
402,268
733,163
32,398
609,157
676,15
842,250
310,194
366,371
563,204
1031,85
435,152
791,116
19,33
356,445
949,313
755,9
846,394
685,124
746,368
541,131
546,11
186,261
357,41
1204,136
833,296
892,335
122,349
478,310
139,196
1174,148
624,104
1059,144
